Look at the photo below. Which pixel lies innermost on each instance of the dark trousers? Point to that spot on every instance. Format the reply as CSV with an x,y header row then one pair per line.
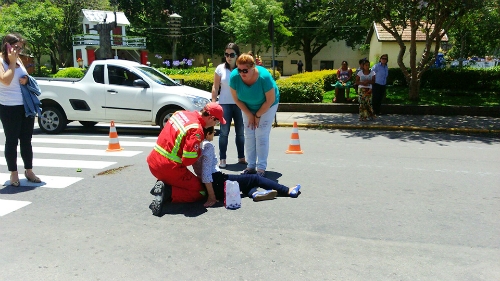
x,y
378,94
248,184
16,127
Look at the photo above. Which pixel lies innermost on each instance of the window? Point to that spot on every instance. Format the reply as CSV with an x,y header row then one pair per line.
x,y
121,76
99,74
326,64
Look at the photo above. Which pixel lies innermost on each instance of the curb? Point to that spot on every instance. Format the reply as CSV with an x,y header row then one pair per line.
x,y
487,111
394,128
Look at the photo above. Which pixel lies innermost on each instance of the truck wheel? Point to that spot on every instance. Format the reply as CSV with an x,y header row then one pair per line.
x,y
53,121
88,124
166,115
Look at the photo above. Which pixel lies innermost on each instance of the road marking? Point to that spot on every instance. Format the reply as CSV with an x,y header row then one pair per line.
x,y
65,163
92,142
9,206
47,181
81,151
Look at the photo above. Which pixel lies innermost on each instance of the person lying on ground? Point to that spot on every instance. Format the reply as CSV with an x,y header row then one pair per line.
x,y
208,171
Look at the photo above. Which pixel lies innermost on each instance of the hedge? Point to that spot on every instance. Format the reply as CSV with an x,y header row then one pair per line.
x,y
455,79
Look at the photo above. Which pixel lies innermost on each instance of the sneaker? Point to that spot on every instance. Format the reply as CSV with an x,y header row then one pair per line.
x,y
264,195
157,189
222,163
157,203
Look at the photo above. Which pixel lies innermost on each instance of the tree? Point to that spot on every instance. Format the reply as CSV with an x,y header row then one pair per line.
x,y
37,21
313,24
62,51
477,33
433,18
247,20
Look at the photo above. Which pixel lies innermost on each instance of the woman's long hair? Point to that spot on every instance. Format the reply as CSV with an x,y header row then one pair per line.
x,y
236,49
11,38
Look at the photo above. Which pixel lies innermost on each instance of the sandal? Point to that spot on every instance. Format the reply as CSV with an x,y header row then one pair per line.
x,y
14,183
261,173
34,179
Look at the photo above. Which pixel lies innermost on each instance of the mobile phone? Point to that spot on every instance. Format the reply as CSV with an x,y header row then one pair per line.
x,y
9,47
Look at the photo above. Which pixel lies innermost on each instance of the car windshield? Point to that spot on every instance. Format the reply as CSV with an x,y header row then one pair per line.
x,y
157,76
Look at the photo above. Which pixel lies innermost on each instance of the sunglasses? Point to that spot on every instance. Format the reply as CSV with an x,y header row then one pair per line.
x,y
231,55
243,70
383,58
18,48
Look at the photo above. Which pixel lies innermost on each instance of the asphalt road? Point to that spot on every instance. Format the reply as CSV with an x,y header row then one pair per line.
x,y
374,206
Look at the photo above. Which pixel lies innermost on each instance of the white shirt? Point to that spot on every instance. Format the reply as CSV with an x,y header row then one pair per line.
x,y
11,94
225,91
206,165
365,77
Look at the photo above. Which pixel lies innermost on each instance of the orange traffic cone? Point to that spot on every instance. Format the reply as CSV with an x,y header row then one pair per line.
x,y
114,144
294,147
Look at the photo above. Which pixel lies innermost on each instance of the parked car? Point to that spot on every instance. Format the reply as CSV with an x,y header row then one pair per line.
x,y
115,90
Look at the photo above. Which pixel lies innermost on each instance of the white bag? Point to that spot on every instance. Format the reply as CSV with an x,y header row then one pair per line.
x,y
232,198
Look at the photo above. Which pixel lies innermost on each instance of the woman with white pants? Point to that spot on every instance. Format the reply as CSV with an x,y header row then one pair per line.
x,y
256,94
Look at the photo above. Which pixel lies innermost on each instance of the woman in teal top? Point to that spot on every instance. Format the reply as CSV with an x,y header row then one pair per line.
x,y
256,94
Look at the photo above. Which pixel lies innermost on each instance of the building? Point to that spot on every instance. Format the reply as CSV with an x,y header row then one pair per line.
x,y
124,47
382,42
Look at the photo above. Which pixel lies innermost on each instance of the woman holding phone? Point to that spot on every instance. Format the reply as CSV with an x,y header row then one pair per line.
x,y
17,127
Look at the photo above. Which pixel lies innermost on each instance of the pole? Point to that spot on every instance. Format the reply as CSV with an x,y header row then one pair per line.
x,y
212,26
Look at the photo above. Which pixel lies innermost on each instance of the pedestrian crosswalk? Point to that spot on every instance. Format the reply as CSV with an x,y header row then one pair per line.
x,y
67,151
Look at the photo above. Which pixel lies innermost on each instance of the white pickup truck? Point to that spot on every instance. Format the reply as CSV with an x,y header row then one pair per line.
x,y
118,90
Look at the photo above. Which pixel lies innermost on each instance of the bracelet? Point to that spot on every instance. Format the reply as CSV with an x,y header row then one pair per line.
x,y
257,116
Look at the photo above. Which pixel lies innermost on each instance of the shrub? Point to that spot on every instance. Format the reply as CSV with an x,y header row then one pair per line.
x,y
455,79
202,81
70,72
300,91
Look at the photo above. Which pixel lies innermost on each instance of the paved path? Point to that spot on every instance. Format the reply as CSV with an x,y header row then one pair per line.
x,y
392,122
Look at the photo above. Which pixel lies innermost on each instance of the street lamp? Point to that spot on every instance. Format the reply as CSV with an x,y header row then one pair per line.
x,y
175,32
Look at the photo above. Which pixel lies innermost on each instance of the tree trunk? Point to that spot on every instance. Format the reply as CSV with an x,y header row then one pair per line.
x,y
414,88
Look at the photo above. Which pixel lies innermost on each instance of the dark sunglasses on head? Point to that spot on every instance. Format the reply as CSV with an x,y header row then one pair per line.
x,y
231,55
243,70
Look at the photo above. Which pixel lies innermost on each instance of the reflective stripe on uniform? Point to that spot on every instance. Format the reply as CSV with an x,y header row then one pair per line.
x,y
182,132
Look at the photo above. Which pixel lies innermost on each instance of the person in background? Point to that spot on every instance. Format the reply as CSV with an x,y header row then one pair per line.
x,y
381,71
17,123
360,68
300,65
207,170
231,110
344,74
256,94
177,147
365,80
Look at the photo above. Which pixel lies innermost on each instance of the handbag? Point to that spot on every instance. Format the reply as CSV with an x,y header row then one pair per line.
x,y
232,198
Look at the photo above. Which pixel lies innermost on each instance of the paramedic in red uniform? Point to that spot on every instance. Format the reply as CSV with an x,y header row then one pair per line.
x,y
179,146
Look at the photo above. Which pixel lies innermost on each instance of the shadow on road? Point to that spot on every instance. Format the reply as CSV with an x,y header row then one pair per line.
x,y
422,137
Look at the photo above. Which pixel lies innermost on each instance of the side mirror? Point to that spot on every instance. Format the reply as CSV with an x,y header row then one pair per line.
x,y
179,81
140,83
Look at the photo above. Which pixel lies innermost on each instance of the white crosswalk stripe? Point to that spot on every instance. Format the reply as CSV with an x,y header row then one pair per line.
x,y
80,146
81,151
9,206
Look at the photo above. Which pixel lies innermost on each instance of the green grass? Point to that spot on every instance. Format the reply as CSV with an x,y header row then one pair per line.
x,y
399,95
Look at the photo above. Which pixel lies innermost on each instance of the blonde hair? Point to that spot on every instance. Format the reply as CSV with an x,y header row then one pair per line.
x,y
245,59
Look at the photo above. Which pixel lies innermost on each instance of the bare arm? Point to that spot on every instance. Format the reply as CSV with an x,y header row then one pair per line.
x,y
6,75
215,87
211,200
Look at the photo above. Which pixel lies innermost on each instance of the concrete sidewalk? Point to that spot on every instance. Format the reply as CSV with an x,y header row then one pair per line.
x,y
393,122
